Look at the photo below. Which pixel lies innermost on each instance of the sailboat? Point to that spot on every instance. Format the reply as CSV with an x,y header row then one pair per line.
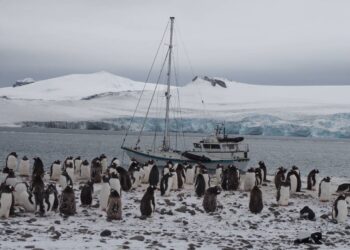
x,y
209,151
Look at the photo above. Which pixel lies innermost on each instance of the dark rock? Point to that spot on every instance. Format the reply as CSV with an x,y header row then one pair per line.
x,y
26,235
138,237
105,233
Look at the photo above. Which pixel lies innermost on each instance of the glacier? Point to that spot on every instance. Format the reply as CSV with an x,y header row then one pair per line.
x,y
105,101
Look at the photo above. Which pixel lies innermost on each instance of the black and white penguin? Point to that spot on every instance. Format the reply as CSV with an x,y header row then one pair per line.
x,y
104,162
116,161
51,198
230,178
65,180
189,173
296,169
11,161
210,199
295,182
11,178
343,188
24,197
96,170
86,194
262,166
135,175
67,201
69,168
306,238
38,189
114,208
85,170
249,180
4,174
147,169
114,183
200,185
280,176
154,176
256,201
283,194
24,167
180,173
204,172
68,161
259,176
112,169
19,188
166,184
104,193
55,170
6,201
166,169
77,164
324,191
124,178
340,209
38,167
218,174
148,204
312,179
307,213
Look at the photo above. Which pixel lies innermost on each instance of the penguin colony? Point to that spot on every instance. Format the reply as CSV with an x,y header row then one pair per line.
x,y
36,192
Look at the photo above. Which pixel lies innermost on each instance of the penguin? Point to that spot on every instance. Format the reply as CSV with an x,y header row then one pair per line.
x,y
314,238
295,182
124,177
147,170
135,175
104,162
25,197
65,180
11,161
166,184
69,167
311,179
6,201
180,172
262,166
249,180
154,176
256,201
189,173
38,167
24,167
68,161
67,201
148,204
96,170
85,170
104,193
210,199
175,179
4,174
114,183
230,178
280,176
116,161
165,170
324,191
340,209
283,194
86,194
19,188
307,213
204,172
114,207
11,178
51,198
258,176
38,190
296,169
219,173
77,165
200,186
345,187
112,169
55,170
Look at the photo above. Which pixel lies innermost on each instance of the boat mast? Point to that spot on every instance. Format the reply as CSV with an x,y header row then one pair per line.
x,y
166,140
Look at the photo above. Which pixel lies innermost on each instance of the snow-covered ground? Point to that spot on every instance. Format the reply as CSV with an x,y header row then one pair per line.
x,y
259,109
181,223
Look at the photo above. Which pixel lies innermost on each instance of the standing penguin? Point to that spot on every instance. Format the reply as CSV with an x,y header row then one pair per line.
x,y
230,178
147,170
69,167
85,170
19,188
24,167
166,184
38,167
340,209
189,173
77,165
256,201
148,204
258,176
114,183
116,161
124,177
283,194
51,198
11,161
295,182
6,201
65,180
67,203
210,199
68,161
154,176
114,207
280,176
312,180
11,178
219,173
38,190
135,175
112,169
104,193
249,180
86,194
262,166
55,170
96,170
200,186
324,191
180,172
25,197
104,162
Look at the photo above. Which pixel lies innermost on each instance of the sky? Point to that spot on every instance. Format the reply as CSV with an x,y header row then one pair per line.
x,y
290,42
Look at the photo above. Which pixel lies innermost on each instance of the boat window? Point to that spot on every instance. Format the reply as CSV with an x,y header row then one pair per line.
x,y
215,146
207,146
196,145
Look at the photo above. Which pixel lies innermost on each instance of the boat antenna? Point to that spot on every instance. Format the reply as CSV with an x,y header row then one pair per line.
x,y
166,140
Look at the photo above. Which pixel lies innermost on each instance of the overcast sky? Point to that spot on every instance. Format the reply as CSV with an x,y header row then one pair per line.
x,y
265,42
